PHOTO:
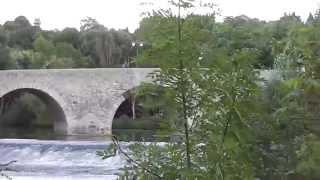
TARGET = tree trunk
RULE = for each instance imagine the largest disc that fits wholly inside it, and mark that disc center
(1, 106)
(133, 106)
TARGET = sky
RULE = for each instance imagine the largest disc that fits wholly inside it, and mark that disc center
(119, 14)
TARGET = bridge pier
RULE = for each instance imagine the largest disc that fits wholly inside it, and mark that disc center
(94, 118)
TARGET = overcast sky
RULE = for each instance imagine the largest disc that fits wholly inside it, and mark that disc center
(126, 13)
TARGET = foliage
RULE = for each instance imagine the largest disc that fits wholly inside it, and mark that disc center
(211, 126)
(4, 57)
(93, 46)
(309, 157)
(223, 126)
(220, 123)
(105, 47)
(295, 106)
(98, 46)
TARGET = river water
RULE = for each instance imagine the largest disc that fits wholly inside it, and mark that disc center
(62, 157)
(40, 159)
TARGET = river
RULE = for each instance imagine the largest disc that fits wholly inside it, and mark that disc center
(45, 156)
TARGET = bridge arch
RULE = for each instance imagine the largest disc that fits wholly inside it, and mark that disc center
(56, 112)
(139, 116)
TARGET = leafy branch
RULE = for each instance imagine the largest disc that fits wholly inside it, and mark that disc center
(117, 149)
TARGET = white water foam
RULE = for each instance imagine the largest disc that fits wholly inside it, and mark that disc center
(58, 159)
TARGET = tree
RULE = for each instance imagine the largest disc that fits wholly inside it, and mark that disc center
(5, 60)
(68, 35)
(296, 110)
(244, 33)
(89, 24)
(61, 55)
(66, 50)
(44, 46)
(210, 99)
(310, 19)
(317, 16)
(3, 36)
(106, 47)
(22, 58)
(286, 23)
(21, 33)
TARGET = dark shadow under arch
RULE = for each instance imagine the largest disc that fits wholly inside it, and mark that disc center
(55, 112)
(145, 122)
(150, 112)
(125, 108)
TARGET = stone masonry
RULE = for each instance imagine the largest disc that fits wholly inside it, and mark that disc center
(83, 100)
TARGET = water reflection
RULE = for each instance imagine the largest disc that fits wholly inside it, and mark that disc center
(49, 134)
(138, 135)
(26, 133)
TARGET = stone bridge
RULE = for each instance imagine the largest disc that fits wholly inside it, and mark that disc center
(81, 101)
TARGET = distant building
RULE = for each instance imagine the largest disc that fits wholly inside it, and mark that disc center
(37, 22)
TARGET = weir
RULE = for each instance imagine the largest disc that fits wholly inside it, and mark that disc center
(58, 159)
